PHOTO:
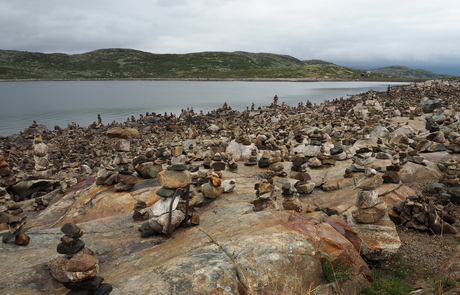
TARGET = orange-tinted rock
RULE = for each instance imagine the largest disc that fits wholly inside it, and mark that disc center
(22, 239)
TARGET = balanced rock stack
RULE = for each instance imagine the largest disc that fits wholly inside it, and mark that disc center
(450, 177)
(297, 162)
(176, 147)
(174, 177)
(126, 182)
(264, 161)
(369, 209)
(78, 270)
(264, 197)
(362, 158)
(122, 146)
(42, 164)
(290, 201)
(276, 164)
(303, 184)
(4, 169)
(217, 164)
(140, 213)
(213, 188)
(325, 157)
(454, 141)
(107, 176)
(252, 158)
(12, 214)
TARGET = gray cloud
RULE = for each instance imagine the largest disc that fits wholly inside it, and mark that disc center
(354, 32)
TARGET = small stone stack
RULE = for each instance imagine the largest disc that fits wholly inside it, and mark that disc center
(78, 270)
(107, 176)
(450, 177)
(4, 169)
(140, 213)
(276, 164)
(213, 188)
(303, 184)
(126, 182)
(252, 158)
(297, 162)
(395, 162)
(12, 214)
(217, 164)
(362, 158)
(264, 197)
(176, 147)
(325, 157)
(264, 161)
(122, 157)
(42, 164)
(369, 209)
(290, 202)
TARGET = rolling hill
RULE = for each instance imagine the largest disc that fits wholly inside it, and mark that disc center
(134, 64)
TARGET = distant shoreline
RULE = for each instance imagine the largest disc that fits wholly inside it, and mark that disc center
(229, 79)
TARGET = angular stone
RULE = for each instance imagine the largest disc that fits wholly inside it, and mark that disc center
(367, 199)
(147, 230)
(119, 132)
(211, 192)
(370, 183)
(218, 166)
(304, 187)
(162, 206)
(177, 167)
(141, 215)
(168, 192)
(228, 185)
(81, 263)
(370, 215)
(391, 177)
(72, 230)
(80, 276)
(58, 268)
(62, 249)
(91, 284)
(122, 145)
(345, 230)
(174, 179)
(150, 170)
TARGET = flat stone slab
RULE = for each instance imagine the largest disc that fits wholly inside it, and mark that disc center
(380, 240)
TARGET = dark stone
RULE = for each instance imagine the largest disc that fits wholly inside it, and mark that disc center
(295, 168)
(123, 187)
(62, 249)
(9, 236)
(419, 217)
(72, 230)
(103, 289)
(218, 166)
(336, 151)
(91, 284)
(412, 198)
(146, 230)
(286, 189)
(448, 218)
(391, 177)
(168, 192)
(194, 168)
(140, 216)
(177, 167)
(264, 163)
(363, 150)
(22, 239)
(126, 172)
(233, 166)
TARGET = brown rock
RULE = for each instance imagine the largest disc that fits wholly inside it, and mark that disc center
(118, 132)
(173, 179)
(216, 181)
(3, 164)
(345, 230)
(195, 218)
(82, 263)
(22, 239)
(391, 177)
(370, 215)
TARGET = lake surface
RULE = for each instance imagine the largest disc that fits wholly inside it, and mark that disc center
(63, 102)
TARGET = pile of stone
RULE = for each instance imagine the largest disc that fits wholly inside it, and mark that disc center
(369, 208)
(12, 214)
(454, 140)
(265, 199)
(303, 185)
(290, 201)
(451, 174)
(421, 215)
(174, 177)
(78, 269)
(264, 161)
(42, 164)
(213, 188)
(140, 212)
(252, 158)
(297, 162)
(4, 167)
(362, 158)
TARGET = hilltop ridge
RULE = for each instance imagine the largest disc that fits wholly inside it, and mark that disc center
(118, 63)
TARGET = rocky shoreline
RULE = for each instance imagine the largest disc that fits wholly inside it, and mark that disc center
(338, 176)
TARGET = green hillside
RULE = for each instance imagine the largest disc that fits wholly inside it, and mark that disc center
(128, 63)
(403, 71)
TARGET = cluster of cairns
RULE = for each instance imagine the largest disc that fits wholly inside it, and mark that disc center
(12, 215)
(39, 161)
(77, 269)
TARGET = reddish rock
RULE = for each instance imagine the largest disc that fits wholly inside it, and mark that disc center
(22, 239)
(82, 263)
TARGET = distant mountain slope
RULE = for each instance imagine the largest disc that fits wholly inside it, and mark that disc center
(403, 71)
(127, 63)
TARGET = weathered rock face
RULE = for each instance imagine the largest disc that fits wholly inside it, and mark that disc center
(119, 132)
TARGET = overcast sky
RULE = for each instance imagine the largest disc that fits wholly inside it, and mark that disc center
(357, 33)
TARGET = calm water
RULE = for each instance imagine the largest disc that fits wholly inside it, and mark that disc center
(64, 102)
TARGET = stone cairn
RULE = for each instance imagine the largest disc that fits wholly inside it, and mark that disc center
(174, 177)
(264, 161)
(450, 177)
(252, 158)
(140, 213)
(12, 214)
(303, 185)
(369, 209)
(4, 167)
(264, 197)
(290, 201)
(362, 159)
(78, 270)
(276, 164)
(42, 164)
